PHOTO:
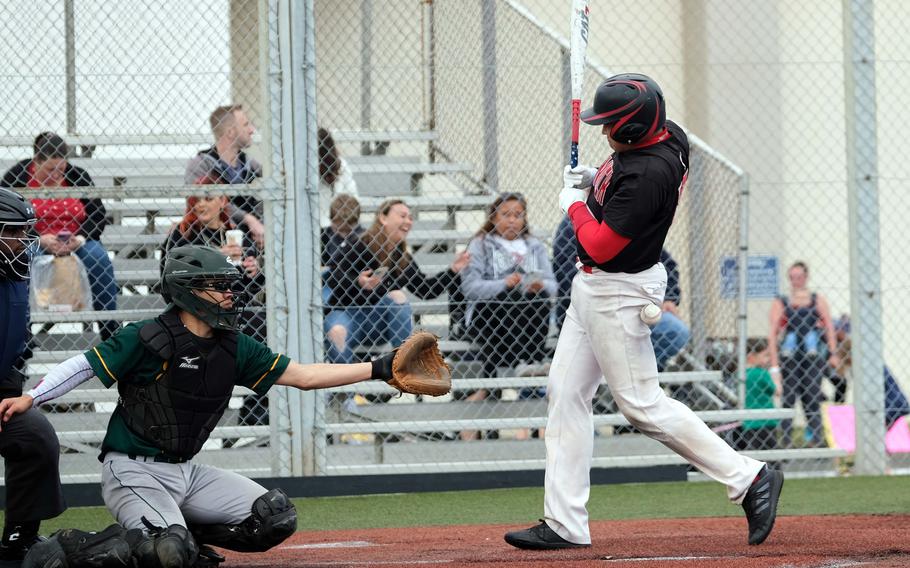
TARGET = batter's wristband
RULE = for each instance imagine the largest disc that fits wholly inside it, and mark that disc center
(774, 369)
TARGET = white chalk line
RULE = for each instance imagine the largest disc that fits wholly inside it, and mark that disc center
(341, 544)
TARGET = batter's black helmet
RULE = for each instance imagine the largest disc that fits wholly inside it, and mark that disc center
(632, 103)
(191, 269)
(17, 234)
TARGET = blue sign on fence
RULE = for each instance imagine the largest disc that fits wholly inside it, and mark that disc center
(762, 277)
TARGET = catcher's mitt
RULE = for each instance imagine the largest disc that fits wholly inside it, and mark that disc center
(418, 366)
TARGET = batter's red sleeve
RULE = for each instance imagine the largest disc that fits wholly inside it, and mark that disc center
(600, 241)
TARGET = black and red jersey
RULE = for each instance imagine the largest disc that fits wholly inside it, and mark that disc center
(635, 194)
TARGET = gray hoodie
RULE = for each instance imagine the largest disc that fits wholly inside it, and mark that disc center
(483, 278)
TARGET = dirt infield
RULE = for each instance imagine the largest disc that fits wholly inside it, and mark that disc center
(812, 541)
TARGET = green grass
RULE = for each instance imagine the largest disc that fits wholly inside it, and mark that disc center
(849, 495)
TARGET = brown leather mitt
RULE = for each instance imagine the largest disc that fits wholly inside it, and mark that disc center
(418, 366)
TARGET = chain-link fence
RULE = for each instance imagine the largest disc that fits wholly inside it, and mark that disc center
(406, 134)
(116, 114)
(475, 96)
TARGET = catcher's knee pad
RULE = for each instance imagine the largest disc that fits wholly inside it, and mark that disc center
(171, 547)
(71, 548)
(273, 520)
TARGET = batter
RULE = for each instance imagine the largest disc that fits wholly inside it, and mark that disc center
(621, 213)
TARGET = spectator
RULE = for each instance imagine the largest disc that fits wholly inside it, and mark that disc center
(564, 259)
(508, 285)
(28, 444)
(896, 403)
(68, 225)
(800, 330)
(368, 303)
(334, 175)
(226, 163)
(670, 334)
(760, 391)
(344, 227)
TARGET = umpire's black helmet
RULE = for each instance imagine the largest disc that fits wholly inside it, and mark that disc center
(17, 234)
(632, 103)
(190, 272)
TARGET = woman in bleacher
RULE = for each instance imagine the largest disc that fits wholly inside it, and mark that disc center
(334, 176)
(68, 225)
(368, 279)
(508, 285)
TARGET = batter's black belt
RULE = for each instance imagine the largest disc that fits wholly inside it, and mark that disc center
(160, 458)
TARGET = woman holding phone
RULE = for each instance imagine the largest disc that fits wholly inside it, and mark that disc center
(368, 304)
(508, 285)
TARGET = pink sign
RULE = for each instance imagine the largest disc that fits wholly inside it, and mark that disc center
(840, 430)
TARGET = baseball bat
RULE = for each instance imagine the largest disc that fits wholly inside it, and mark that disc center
(578, 44)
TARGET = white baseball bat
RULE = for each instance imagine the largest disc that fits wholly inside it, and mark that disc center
(578, 44)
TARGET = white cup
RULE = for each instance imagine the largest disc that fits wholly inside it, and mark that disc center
(234, 237)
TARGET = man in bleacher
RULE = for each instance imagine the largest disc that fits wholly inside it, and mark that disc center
(226, 163)
(28, 444)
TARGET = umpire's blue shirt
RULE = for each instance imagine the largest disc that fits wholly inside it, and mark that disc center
(13, 327)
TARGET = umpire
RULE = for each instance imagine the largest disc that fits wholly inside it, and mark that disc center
(28, 443)
(175, 375)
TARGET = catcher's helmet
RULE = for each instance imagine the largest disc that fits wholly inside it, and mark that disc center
(632, 103)
(17, 234)
(191, 269)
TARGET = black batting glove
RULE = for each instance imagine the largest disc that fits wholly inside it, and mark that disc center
(382, 367)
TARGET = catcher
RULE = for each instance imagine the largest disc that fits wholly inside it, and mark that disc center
(175, 375)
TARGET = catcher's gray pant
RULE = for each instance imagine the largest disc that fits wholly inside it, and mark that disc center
(174, 494)
(604, 336)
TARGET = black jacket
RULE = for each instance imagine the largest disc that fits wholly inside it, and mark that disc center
(95, 214)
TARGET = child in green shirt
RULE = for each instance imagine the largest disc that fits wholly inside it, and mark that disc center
(760, 391)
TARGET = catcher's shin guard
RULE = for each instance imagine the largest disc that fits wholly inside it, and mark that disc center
(71, 548)
(273, 520)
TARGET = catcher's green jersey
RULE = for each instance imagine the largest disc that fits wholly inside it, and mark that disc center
(123, 357)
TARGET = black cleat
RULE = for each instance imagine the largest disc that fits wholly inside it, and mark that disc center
(760, 503)
(208, 556)
(540, 537)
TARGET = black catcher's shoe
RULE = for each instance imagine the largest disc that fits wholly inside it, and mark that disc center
(760, 503)
(208, 557)
(540, 537)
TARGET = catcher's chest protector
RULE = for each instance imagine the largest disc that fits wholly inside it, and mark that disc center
(178, 411)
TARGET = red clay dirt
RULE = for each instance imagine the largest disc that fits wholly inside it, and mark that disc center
(877, 541)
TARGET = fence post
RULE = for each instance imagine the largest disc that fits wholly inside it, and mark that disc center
(742, 314)
(865, 261)
(490, 119)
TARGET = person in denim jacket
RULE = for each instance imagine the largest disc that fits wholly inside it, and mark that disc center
(508, 285)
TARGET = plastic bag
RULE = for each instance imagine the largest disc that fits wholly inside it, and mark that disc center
(59, 284)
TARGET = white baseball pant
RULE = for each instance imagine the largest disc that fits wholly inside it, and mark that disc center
(603, 336)
(175, 493)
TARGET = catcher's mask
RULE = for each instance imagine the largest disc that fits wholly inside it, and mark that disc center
(632, 104)
(204, 282)
(17, 235)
